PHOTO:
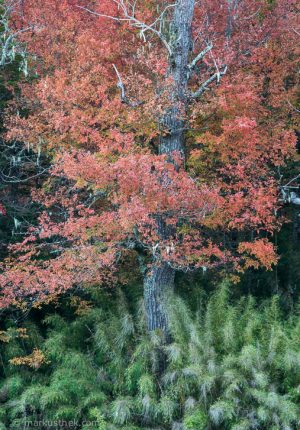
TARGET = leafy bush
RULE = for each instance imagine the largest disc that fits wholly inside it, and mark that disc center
(229, 366)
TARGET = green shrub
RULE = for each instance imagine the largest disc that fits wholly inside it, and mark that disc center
(229, 366)
(197, 420)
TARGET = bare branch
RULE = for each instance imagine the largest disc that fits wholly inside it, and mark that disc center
(292, 106)
(205, 85)
(14, 180)
(199, 57)
(130, 17)
(114, 18)
(9, 44)
(121, 86)
(120, 83)
(161, 16)
(291, 181)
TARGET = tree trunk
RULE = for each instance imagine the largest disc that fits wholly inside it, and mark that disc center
(157, 284)
(159, 281)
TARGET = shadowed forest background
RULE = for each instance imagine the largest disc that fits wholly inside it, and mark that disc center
(149, 215)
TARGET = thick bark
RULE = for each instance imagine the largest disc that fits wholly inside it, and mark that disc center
(157, 284)
(159, 281)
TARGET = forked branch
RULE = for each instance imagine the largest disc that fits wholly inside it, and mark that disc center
(129, 16)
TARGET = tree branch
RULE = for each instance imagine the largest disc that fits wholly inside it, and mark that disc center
(291, 181)
(14, 180)
(199, 57)
(130, 17)
(121, 86)
(205, 85)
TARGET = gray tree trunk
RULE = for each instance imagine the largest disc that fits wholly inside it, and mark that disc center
(159, 280)
(157, 284)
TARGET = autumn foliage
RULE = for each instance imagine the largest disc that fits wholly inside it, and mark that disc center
(110, 186)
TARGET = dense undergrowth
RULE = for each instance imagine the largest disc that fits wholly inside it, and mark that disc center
(229, 366)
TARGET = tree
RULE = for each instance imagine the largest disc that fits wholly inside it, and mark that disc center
(20, 168)
(135, 169)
